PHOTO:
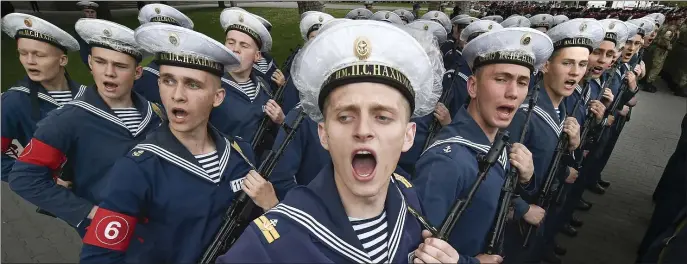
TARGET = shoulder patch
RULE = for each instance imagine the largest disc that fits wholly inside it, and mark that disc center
(403, 180)
(158, 111)
(268, 227)
(139, 154)
(236, 147)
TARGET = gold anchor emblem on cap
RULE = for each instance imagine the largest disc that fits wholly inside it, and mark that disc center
(107, 33)
(386, 16)
(157, 10)
(240, 17)
(436, 14)
(525, 39)
(358, 12)
(173, 39)
(362, 48)
(611, 26)
(490, 27)
(583, 27)
(320, 19)
(27, 22)
(426, 27)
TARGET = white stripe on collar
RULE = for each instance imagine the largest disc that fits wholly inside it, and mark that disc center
(82, 90)
(187, 165)
(462, 75)
(107, 116)
(43, 96)
(395, 239)
(549, 120)
(479, 147)
(151, 70)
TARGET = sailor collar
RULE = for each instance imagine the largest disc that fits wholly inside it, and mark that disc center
(325, 219)
(166, 146)
(588, 94)
(23, 86)
(93, 103)
(228, 80)
(545, 110)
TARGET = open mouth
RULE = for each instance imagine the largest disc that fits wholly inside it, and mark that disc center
(179, 113)
(597, 70)
(570, 84)
(110, 86)
(627, 54)
(505, 111)
(364, 163)
(34, 71)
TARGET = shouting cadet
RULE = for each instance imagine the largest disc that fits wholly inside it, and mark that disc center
(42, 49)
(78, 143)
(168, 195)
(502, 61)
(360, 85)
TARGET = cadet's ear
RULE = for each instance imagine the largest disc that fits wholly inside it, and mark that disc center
(409, 137)
(64, 60)
(139, 72)
(90, 62)
(322, 133)
(472, 85)
(220, 94)
(545, 68)
(258, 56)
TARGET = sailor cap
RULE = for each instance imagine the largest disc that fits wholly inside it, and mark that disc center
(463, 21)
(163, 14)
(658, 18)
(440, 17)
(359, 13)
(616, 32)
(521, 46)
(368, 51)
(387, 16)
(264, 22)
(478, 27)
(405, 15)
(109, 35)
(313, 21)
(541, 20)
(19, 25)
(516, 21)
(234, 19)
(87, 5)
(580, 32)
(307, 13)
(644, 25)
(496, 18)
(632, 30)
(459, 17)
(183, 47)
(436, 29)
(559, 19)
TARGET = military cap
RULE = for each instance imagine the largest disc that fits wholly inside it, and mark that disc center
(521, 46)
(333, 22)
(264, 22)
(459, 17)
(405, 15)
(658, 18)
(183, 47)
(359, 13)
(463, 21)
(19, 25)
(387, 16)
(527, 15)
(306, 13)
(431, 26)
(644, 26)
(87, 5)
(632, 29)
(163, 14)
(559, 19)
(440, 17)
(580, 32)
(616, 32)
(516, 21)
(313, 21)
(239, 20)
(109, 35)
(478, 27)
(368, 51)
(495, 18)
(541, 20)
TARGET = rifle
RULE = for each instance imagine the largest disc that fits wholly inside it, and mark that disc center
(546, 193)
(445, 95)
(240, 213)
(496, 235)
(588, 126)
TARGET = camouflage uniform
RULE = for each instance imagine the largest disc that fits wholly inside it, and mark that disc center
(664, 43)
(676, 59)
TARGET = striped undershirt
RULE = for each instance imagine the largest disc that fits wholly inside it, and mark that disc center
(130, 117)
(373, 235)
(262, 65)
(249, 88)
(61, 97)
(210, 163)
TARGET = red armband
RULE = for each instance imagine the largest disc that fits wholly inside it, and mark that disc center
(41, 154)
(110, 230)
(5, 144)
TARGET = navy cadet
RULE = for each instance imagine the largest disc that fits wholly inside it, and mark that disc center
(573, 41)
(80, 141)
(495, 18)
(516, 21)
(363, 94)
(185, 174)
(359, 14)
(89, 11)
(147, 85)
(502, 61)
(541, 22)
(266, 65)
(451, 50)
(42, 49)
(405, 15)
(387, 16)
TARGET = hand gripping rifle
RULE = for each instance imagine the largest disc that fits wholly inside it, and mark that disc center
(589, 120)
(616, 106)
(545, 193)
(496, 235)
(240, 213)
(445, 95)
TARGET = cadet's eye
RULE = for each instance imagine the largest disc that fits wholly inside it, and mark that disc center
(499, 79)
(344, 118)
(193, 85)
(523, 83)
(384, 119)
(168, 81)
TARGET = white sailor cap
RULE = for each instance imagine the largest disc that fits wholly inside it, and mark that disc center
(459, 17)
(559, 19)
(313, 21)
(87, 4)
(580, 32)
(658, 17)
(308, 12)
(496, 18)
(19, 25)
(387, 16)
(234, 19)
(616, 32)
(516, 21)
(332, 23)
(478, 27)
(632, 30)
(183, 47)
(521, 46)
(163, 14)
(430, 26)
(367, 51)
(644, 26)
(264, 22)
(359, 13)
(440, 17)
(405, 15)
(109, 35)
(463, 21)
(541, 20)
